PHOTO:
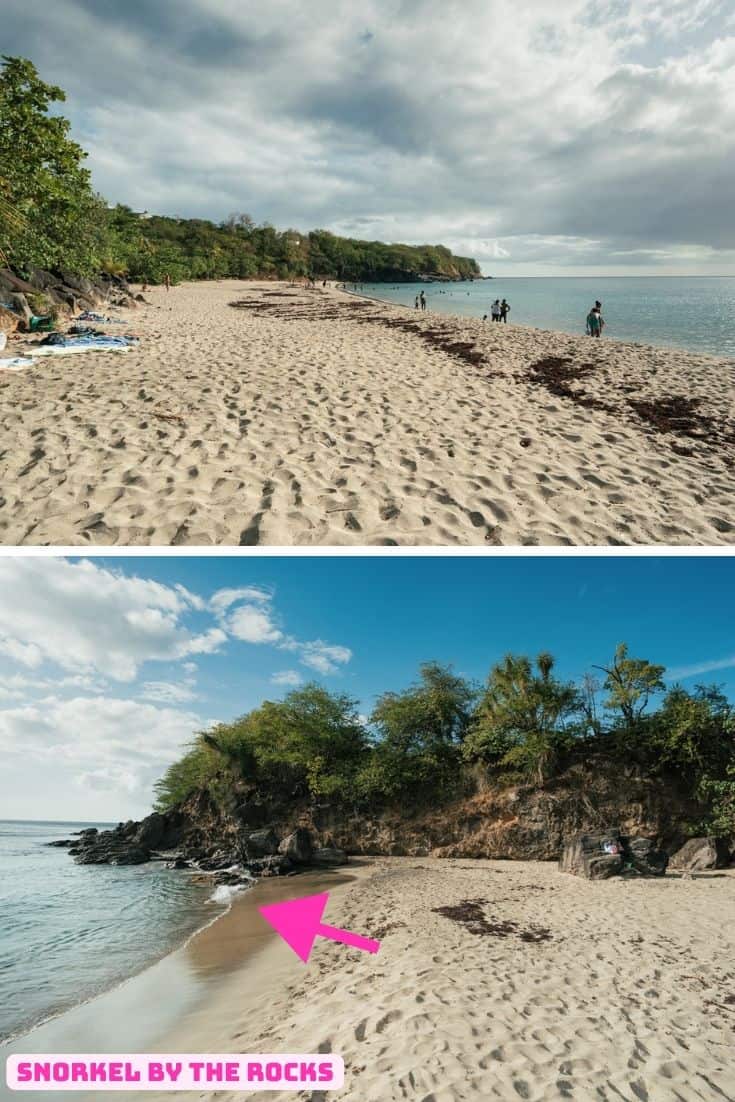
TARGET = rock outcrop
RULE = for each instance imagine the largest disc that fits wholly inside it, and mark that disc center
(262, 843)
(297, 847)
(59, 294)
(587, 855)
(9, 320)
(261, 836)
(700, 854)
(609, 853)
(199, 839)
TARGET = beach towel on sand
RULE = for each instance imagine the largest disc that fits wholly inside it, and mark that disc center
(65, 346)
(15, 363)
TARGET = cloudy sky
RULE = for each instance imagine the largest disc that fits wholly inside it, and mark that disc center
(577, 137)
(109, 666)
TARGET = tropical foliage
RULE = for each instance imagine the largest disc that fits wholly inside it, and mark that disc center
(418, 744)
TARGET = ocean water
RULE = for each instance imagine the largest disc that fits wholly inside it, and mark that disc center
(69, 932)
(697, 314)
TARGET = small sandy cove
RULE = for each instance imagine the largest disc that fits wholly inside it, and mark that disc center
(535, 985)
(313, 417)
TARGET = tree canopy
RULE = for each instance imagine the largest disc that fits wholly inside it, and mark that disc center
(49, 215)
(418, 743)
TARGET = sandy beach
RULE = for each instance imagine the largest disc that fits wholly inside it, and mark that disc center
(570, 989)
(312, 417)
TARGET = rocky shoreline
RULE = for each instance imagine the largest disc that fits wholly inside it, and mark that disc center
(262, 853)
(253, 837)
(57, 296)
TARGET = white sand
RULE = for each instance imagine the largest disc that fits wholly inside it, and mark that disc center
(630, 998)
(287, 428)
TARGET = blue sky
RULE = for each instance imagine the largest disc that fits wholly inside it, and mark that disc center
(587, 137)
(110, 664)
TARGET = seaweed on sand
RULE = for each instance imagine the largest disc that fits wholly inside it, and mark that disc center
(557, 373)
(470, 914)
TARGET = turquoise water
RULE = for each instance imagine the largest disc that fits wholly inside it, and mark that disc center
(69, 932)
(677, 312)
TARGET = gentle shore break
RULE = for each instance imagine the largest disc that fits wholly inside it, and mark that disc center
(261, 413)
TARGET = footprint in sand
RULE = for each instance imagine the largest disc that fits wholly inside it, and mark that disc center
(388, 1019)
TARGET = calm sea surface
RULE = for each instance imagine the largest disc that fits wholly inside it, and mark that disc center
(695, 314)
(68, 932)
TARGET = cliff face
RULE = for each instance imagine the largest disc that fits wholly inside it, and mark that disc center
(522, 822)
(514, 823)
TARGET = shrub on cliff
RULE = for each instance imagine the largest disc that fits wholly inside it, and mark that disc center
(311, 743)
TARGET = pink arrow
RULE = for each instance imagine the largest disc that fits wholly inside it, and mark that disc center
(299, 922)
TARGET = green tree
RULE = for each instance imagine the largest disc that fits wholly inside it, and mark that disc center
(312, 742)
(718, 795)
(194, 771)
(693, 733)
(523, 717)
(49, 215)
(419, 733)
(630, 683)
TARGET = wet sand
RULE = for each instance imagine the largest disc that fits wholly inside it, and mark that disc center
(311, 417)
(179, 1000)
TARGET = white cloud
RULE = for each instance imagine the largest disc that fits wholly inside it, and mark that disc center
(681, 673)
(90, 737)
(247, 614)
(291, 678)
(26, 654)
(608, 119)
(168, 692)
(323, 657)
(253, 625)
(86, 618)
(224, 598)
(207, 643)
(19, 686)
(69, 630)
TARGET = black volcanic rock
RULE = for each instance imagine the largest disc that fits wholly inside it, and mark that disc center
(298, 846)
(598, 856)
(271, 866)
(328, 857)
(262, 843)
(643, 855)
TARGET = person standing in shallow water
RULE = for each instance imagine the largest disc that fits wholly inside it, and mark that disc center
(495, 310)
(417, 302)
(422, 297)
(504, 311)
(595, 322)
